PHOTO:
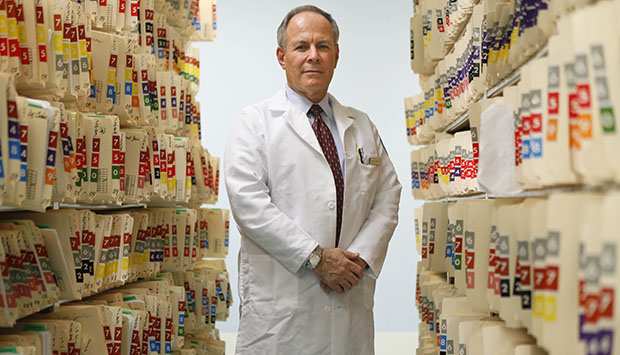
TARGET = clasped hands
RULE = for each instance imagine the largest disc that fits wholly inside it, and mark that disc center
(339, 270)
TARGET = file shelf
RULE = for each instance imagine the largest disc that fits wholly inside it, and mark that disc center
(104, 245)
(516, 139)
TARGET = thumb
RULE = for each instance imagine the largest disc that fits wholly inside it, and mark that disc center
(350, 255)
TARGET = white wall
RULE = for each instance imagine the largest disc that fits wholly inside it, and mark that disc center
(373, 75)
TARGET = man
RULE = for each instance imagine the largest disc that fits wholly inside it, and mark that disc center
(316, 198)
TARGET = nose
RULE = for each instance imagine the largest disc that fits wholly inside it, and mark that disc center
(313, 54)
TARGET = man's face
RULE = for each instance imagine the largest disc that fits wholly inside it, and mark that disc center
(310, 56)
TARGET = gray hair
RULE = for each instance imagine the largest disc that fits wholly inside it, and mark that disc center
(300, 9)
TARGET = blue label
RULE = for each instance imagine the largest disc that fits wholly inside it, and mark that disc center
(92, 92)
(168, 348)
(442, 342)
(163, 103)
(51, 158)
(14, 149)
(128, 88)
(160, 53)
(13, 129)
(525, 149)
(449, 251)
(1, 169)
(536, 147)
(111, 93)
(23, 156)
(65, 147)
(181, 319)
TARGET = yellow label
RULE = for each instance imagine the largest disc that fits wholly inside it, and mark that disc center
(23, 36)
(125, 265)
(100, 271)
(12, 28)
(188, 183)
(137, 259)
(66, 50)
(74, 51)
(41, 34)
(108, 269)
(538, 306)
(115, 265)
(3, 28)
(129, 75)
(58, 45)
(111, 76)
(163, 177)
(514, 35)
(83, 49)
(493, 56)
(171, 184)
(551, 308)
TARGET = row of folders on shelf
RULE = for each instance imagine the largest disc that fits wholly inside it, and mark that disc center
(101, 57)
(546, 266)
(557, 126)
(49, 153)
(72, 254)
(463, 48)
(171, 313)
(575, 81)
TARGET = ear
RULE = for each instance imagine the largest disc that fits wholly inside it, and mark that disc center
(280, 56)
(337, 55)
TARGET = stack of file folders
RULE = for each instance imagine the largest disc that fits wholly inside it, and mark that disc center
(546, 269)
(556, 127)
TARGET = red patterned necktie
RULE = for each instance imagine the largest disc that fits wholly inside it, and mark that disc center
(331, 154)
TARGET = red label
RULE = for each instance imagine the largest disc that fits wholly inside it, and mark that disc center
(551, 278)
(553, 103)
(583, 93)
(536, 123)
(113, 58)
(39, 12)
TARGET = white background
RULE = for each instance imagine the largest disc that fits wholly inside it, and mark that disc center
(373, 75)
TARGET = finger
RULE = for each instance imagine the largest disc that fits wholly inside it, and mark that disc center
(325, 288)
(356, 269)
(345, 284)
(352, 278)
(335, 287)
(350, 255)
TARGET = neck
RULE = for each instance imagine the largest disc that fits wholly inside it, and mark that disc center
(314, 97)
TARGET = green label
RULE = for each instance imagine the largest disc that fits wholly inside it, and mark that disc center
(608, 121)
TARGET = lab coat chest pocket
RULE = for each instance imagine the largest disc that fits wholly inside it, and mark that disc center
(272, 289)
(367, 177)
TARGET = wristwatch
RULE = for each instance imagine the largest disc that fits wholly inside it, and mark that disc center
(315, 258)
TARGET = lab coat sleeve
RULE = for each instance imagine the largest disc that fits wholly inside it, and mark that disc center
(372, 240)
(246, 177)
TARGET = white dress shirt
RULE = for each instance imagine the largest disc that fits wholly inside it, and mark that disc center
(303, 104)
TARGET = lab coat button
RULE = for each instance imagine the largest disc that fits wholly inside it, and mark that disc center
(331, 205)
(328, 309)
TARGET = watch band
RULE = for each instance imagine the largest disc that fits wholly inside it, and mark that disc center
(315, 258)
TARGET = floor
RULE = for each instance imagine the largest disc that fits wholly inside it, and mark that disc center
(386, 343)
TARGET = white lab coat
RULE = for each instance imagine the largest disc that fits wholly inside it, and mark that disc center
(283, 198)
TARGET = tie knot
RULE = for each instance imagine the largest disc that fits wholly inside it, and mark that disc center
(316, 110)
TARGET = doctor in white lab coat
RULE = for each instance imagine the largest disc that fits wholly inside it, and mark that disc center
(300, 293)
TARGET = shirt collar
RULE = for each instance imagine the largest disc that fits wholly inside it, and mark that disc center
(303, 104)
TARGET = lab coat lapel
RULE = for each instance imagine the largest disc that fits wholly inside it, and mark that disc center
(343, 118)
(295, 118)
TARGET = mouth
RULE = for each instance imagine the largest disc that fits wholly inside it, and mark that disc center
(313, 72)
